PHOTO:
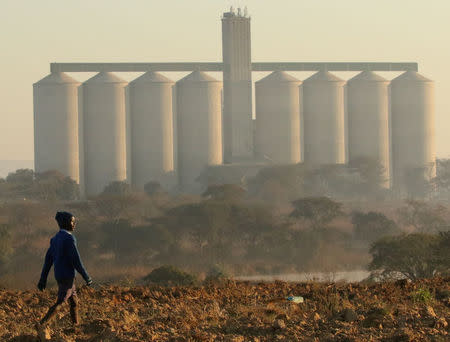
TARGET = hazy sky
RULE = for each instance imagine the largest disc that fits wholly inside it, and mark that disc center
(35, 33)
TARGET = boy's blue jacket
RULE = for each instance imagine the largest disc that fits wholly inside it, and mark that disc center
(63, 253)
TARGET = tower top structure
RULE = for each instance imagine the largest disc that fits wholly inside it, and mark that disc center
(239, 14)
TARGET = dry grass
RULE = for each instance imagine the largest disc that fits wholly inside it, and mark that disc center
(240, 312)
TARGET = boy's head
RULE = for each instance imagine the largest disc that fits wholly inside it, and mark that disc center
(65, 220)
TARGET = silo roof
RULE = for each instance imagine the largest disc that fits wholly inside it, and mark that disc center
(324, 76)
(105, 77)
(198, 76)
(411, 76)
(151, 77)
(367, 76)
(57, 78)
(279, 77)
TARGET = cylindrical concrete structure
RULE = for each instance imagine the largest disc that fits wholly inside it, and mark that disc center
(56, 125)
(104, 131)
(152, 128)
(278, 118)
(199, 127)
(324, 123)
(368, 120)
(413, 131)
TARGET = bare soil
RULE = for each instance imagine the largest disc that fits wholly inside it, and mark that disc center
(240, 311)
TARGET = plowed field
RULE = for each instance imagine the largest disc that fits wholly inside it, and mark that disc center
(240, 311)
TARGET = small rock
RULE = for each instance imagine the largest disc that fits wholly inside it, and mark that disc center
(402, 282)
(349, 315)
(44, 334)
(279, 324)
(283, 316)
(430, 311)
(237, 339)
(441, 323)
(404, 335)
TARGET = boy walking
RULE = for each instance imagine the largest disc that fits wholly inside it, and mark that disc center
(63, 254)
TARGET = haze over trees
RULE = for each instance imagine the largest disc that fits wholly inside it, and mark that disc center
(281, 220)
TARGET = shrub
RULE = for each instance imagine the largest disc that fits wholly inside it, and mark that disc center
(372, 225)
(409, 256)
(170, 276)
(318, 210)
(118, 188)
(422, 295)
(5, 244)
(216, 274)
(153, 188)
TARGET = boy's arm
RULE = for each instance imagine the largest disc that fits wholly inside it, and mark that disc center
(76, 260)
(46, 268)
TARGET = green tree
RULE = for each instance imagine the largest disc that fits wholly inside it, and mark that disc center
(53, 185)
(225, 192)
(21, 176)
(118, 188)
(329, 180)
(442, 179)
(5, 245)
(412, 256)
(371, 173)
(20, 183)
(424, 217)
(170, 276)
(318, 210)
(418, 181)
(444, 252)
(281, 182)
(372, 225)
(153, 188)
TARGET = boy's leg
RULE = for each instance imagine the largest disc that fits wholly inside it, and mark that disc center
(73, 302)
(66, 289)
(51, 313)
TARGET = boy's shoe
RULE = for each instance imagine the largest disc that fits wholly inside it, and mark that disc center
(74, 330)
(43, 332)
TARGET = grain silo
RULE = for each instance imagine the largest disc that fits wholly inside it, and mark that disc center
(104, 131)
(56, 125)
(368, 120)
(323, 113)
(413, 131)
(199, 117)
(152, 128)
(278, 118)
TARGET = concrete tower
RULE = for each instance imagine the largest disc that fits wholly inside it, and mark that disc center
(324, 124)
(237, 83)
(368, 119)
(105, 155)
(413, 132)
(56, 125)
(152, 129)
(278, 118)
(199, 127)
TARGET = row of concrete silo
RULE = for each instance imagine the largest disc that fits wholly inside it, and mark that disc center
(82, 130)
(379, 113)
(85, 131)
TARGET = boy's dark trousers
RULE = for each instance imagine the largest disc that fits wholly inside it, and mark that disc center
(66, 292)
